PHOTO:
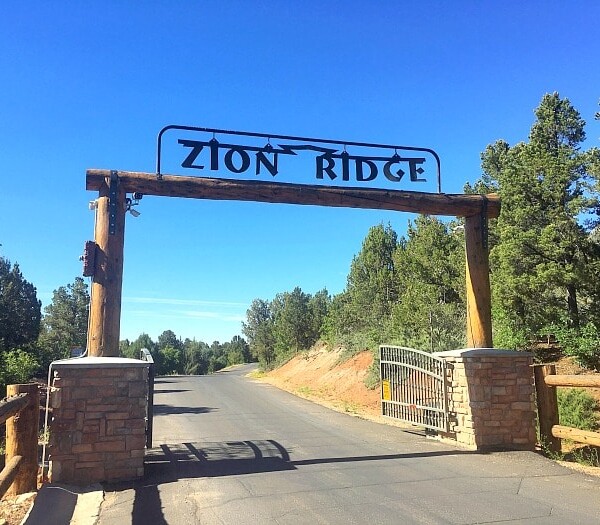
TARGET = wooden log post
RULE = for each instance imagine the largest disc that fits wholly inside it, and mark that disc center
(547, 405)
(22, 439)
(107, 283)
(479, 300)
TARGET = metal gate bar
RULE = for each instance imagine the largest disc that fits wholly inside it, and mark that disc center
(414, 387)
(145, 355)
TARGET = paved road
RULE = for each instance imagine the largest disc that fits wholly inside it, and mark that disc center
(234, 451)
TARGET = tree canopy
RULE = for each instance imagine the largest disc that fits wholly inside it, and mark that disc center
(20, 309)
(65, 322)
(544, 261)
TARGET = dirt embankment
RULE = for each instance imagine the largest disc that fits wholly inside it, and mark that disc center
(326, 377)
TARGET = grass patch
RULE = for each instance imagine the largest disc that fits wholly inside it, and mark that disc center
(305, 391)
(577, 409)
(587, 455)
(350, 407)
(257, 374)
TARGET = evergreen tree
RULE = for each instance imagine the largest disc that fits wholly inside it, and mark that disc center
(259, 331)
(318, 305)
(195, 357)
(371, 284)
(65, 322)
(429, 262)
(541, 262)
(168, 338)
(292, 326)
(20, 309)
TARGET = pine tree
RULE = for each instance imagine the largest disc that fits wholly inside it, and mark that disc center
(540, 261)
(65, 322)
(20, 309)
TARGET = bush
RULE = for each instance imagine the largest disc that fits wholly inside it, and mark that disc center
(577, 409)
(16, 366)
(583, 344)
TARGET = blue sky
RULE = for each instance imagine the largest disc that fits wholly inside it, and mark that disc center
(90, 84)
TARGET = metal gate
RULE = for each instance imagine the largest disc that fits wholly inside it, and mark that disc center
(414, 387)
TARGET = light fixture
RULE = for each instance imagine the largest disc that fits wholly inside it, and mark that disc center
(131, 202)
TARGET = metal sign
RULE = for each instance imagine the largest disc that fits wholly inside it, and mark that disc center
(212, 152)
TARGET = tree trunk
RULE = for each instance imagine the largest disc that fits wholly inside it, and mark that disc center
(572, 307)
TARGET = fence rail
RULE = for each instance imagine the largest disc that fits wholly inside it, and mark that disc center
(551, 431)
(20, 412)
(11, 406)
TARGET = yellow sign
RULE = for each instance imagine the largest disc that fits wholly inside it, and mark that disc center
(386, 391)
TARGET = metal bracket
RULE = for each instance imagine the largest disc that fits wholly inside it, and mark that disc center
(112, 202)
(484, 222)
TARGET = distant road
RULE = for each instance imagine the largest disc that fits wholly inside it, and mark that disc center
(230, 450)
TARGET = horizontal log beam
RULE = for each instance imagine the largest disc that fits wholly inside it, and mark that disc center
(574, 434)
(590, 381)
(9, 473)
(11, 406)
(458, 205)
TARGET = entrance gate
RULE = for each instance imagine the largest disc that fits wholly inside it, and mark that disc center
(106, 253)
(414, 387)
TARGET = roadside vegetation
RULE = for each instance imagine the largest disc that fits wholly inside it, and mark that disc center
(172, 355)
(410, 289)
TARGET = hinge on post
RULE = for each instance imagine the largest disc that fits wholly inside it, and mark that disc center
(112, 202)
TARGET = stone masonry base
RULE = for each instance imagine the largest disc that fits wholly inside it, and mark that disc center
(491, 399)
(97, 433)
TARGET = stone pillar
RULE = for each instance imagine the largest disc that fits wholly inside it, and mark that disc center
(97, 433)
(491, 399)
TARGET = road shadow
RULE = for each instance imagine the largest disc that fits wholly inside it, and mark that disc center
(170, 391)
(172, 409)
(193, 460)
(174, 462)
(171, 463)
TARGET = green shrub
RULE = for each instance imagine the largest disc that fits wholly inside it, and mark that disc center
(16, 366)
(583, 344)
(577, 409)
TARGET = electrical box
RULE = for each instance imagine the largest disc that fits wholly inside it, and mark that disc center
(89, 258)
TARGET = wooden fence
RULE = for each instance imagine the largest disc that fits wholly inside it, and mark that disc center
(20, 411)
(551, 431)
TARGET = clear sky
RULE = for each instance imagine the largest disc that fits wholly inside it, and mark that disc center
(90, 84)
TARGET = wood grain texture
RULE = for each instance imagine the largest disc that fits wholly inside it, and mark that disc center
(22, 439)
(227, 189)
(547, 406)
(9, 473)
(574, 434)
(107, 283)
(587, 380)
(12, 406)
(479, 299)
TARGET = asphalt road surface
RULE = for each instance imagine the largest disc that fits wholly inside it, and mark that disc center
(231, 450)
